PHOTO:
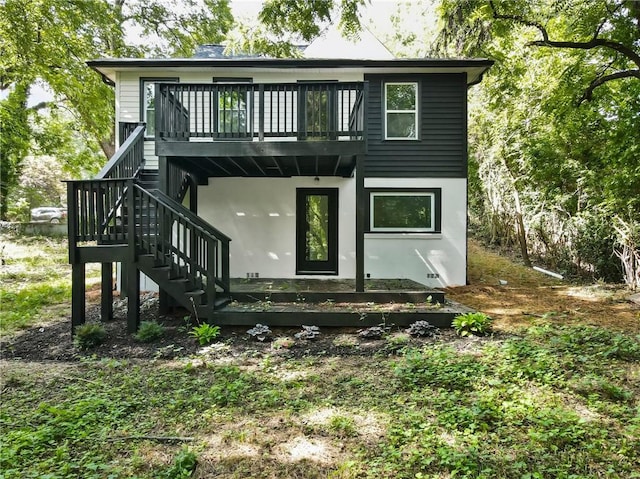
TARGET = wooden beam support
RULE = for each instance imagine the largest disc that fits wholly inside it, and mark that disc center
(106, 298)
(133, 298)
(238, 166)
(360, 222)
(78, 301)
(260, 148)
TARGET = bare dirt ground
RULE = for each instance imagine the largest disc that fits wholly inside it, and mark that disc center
(527, 298)
(530, 297)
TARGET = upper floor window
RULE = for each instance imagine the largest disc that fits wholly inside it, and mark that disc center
(233, 111)
(147, 102)
(401, 111)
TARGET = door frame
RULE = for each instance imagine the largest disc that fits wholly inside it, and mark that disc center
(304, 266)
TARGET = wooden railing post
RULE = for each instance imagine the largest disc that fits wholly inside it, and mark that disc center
(133, 274)
(212, 259)
(261, 112)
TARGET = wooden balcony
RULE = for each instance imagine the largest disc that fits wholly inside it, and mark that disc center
(251, 129)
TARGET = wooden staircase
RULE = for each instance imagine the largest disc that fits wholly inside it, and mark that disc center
(123, 217)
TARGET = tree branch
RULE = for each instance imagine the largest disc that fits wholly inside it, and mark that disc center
(588, 94)
(593, 43)
(546, 42)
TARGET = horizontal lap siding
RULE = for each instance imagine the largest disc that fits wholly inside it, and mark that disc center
(441, 150)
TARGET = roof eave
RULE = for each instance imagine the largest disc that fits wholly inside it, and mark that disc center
(108, 66)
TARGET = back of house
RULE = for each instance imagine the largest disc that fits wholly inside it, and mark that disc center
(331, 167)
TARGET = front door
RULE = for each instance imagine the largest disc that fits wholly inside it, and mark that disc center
(317, 231)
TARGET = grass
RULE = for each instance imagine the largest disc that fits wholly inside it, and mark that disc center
(35, 275)
(557, 399)
(553, 402)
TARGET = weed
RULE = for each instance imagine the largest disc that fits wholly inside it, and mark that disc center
(472, 324)
(345, 341)
(183, 465)
(89, 335)
(374, 332)
(149, 331)
(343, 426)
(205, 333)
(397, 341)
(283, 343)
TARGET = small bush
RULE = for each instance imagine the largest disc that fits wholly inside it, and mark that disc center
(89, 336)
(423, 329)
(149, 331)
(472, 324)
(260, 332)
(205, 333)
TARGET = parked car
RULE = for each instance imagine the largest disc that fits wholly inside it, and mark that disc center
(50, 214)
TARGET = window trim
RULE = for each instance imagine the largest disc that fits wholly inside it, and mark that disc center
(415, 111)
(143, 98)
(436, 209)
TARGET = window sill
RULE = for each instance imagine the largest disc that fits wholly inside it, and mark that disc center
(398, 235)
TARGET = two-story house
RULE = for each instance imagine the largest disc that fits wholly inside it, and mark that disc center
(235, 167)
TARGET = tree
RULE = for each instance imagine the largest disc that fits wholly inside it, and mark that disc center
(607, 31)
(554, 121)
(49, 41)
(15, 133)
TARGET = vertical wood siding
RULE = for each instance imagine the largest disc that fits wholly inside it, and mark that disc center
(441, 149)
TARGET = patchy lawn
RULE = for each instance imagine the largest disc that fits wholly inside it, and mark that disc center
(553, 394)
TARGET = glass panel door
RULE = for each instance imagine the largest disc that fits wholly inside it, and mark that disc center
(317, 231)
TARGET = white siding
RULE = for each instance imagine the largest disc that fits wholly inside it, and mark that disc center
(421, 256)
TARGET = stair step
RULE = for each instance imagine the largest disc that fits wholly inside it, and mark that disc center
(197, 295)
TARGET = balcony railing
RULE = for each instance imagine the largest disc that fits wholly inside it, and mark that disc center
(252, 111)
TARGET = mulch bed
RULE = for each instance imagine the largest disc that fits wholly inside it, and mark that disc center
(53, 341)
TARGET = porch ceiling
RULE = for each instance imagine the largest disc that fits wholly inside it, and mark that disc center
(268, 166)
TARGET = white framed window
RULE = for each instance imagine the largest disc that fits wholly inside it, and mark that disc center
(403, 211)
(401, 110)
(147, 102)
(233, 110)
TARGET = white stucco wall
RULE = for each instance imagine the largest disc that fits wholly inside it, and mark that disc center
(259, 215)
(419, 256)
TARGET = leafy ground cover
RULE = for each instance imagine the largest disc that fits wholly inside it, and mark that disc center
(552, 394)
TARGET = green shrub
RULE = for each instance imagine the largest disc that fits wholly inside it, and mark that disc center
(149, 331)
(205, 333)
(472, 324)
(89, 336)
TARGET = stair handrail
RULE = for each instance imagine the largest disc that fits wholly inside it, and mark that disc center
(190, 215)
(215, 269)
(129, 159)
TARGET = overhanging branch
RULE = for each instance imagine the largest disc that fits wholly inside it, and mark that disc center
(588, 94)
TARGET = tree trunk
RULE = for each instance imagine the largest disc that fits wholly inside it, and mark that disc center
(520, 231)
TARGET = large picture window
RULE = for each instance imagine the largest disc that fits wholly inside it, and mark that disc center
(404, 211)
(401, 111)
(147, 102)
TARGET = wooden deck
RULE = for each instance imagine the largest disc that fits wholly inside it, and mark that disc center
(334, 303)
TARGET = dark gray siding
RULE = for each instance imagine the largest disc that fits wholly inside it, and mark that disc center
(441, 149)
